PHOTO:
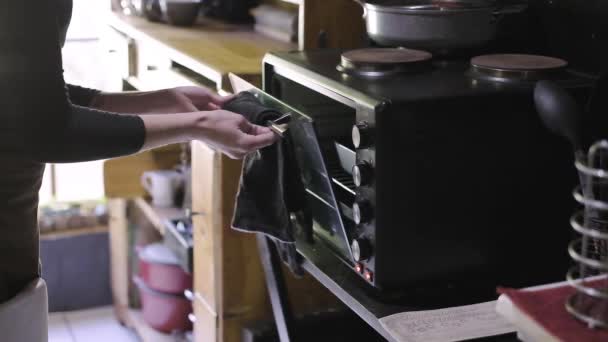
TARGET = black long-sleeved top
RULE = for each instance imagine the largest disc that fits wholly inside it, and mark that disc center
(42, 120)
(38, 120)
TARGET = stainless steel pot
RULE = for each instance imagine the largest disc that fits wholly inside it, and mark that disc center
(437, 26)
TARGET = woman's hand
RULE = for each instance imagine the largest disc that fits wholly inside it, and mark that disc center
(232, 134)
(174, 100)
(227, 132)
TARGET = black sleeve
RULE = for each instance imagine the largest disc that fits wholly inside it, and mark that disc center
(37, 118)
(80, 95)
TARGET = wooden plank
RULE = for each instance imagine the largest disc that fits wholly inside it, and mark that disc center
(205, 326)
(240, 265)
(341, 20)
(66, 233)
(122, 314)
(157, 216)
(205, 264)
(144, 331)
(119, 267)
(206, 187)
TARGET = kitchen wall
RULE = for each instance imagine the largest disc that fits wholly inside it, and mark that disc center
(576, 30)
(87, 19)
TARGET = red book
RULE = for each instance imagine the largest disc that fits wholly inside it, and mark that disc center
(539, 313)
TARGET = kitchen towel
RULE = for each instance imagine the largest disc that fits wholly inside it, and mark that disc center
(270, 187)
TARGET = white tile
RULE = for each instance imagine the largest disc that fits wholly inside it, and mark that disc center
(98, 325)
(58, 328)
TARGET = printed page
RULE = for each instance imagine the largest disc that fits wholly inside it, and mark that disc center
(447, 325)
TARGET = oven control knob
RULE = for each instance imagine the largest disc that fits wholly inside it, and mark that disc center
(363, 173)
(362, 211)
(361, 248)
(362, 135)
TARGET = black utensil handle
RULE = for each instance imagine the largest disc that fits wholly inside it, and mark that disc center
(559, 112)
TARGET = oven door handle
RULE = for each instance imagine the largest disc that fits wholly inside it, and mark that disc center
(280, 125)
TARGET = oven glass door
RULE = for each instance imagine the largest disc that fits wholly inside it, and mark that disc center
(303, 130)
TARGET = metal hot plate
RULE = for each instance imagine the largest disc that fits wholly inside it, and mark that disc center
(516, 67)
(378, 62)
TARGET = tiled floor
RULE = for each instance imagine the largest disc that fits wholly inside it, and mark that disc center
(92, 325)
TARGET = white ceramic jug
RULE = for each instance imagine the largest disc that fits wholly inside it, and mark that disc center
(162, 185)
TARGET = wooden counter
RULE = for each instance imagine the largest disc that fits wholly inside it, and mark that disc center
(210, 49)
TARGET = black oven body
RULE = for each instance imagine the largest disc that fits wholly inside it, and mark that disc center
(461, 187)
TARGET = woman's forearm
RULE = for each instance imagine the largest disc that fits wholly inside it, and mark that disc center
(166, 101)
(162, 129)
(225, 131)
(132, 102)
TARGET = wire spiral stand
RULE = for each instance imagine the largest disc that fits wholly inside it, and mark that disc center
(589, 275)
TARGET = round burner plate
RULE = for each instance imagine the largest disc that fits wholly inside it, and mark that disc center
(516, 67)
(373, 62)
(518, 62)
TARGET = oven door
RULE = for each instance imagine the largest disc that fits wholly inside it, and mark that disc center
(319, 184)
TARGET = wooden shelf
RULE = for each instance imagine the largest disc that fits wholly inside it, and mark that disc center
(59, 234)
(210, 48)
(158, 216)
(144, 331)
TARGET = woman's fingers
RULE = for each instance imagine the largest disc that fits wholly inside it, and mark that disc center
(251, 138)
(221, 100)
(257, 130)
(251, 143)
(258, 133)
(213, 106)
(232, 134)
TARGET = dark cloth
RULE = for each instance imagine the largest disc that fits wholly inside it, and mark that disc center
(270, 187)
(42, 120)
(246, 104)
(19, 184)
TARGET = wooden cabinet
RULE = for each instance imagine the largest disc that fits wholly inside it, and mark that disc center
(205, 324)
(228, 282)
(330, 24)
(165, 56)
(229, 287)
(206, 171)
(118, 50)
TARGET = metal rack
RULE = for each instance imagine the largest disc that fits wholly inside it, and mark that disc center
(589, 276)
